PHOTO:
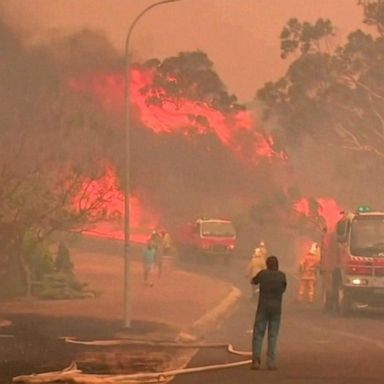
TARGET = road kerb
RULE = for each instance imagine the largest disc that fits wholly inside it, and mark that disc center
(209, 319)
(201, 326)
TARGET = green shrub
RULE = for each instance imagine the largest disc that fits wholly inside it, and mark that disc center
(60, 285)
(53, 278)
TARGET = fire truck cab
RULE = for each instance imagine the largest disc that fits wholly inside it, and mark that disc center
(207, 238)
(352, 262)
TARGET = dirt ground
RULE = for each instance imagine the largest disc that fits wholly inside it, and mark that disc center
(34, 342)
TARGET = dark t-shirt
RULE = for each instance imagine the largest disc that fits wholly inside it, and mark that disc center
(272, 286)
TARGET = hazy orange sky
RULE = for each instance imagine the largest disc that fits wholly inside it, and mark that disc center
(240, 36)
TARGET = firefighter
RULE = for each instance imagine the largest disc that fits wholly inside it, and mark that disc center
(167, 244)
(315, 250)
(307, 269)
(165, 264)
(155, 239)
(255, 265)
(263, 249)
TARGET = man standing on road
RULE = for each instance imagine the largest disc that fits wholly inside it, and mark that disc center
(272, 286)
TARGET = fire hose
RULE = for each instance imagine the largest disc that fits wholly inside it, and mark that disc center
(77, 376)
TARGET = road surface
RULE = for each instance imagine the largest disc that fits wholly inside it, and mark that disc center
(314, 347)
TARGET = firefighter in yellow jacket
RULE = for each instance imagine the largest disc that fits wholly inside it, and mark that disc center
(263, 249)
(308, 268)
(255, 265)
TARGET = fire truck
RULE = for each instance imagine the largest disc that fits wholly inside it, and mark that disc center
(206, 239)
(352, 262)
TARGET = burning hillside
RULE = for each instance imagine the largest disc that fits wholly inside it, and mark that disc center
(194, 150)
(234, 130)
(184, 150)
(203, 155)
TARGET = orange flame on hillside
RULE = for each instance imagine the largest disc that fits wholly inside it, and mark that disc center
(105, 194)
(234, 130)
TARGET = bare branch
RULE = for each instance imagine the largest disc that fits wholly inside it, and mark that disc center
(348, 133)
(369, 90)
(378, 115)
(356, 144)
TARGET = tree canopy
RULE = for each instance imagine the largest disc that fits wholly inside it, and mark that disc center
(189, 75)
(331, 90)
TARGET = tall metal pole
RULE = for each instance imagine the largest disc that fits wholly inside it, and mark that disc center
(127, 183)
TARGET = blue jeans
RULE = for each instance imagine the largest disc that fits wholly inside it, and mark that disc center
(264, 318)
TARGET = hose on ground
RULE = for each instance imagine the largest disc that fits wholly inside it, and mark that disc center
(73, 375)
(168, 344)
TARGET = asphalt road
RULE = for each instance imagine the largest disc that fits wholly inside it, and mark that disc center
(314, 347)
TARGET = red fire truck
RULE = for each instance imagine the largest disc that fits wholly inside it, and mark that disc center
(352, 262)
(206, 238)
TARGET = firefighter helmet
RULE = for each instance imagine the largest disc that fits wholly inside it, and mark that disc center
(313, 249)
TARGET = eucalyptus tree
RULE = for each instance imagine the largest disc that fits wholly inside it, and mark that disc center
(331, 91)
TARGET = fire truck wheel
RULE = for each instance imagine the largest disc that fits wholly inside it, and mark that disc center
(343, 301)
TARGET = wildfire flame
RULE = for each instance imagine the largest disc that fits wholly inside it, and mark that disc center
(234, 130)
(106, 189)
(327, 208)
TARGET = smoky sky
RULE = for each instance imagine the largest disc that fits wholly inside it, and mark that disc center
(241, 37)
(178, 177)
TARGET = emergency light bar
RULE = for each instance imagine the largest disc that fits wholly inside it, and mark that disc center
(363, 208)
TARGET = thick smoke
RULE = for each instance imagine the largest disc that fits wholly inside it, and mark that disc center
(188, 159)
(31, 76)
(323, 168)
(195, 176)
(178, 176)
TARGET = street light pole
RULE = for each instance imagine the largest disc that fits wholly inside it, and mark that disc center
(127, 183)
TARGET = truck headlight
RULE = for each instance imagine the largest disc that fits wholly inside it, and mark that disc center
(358, 281)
